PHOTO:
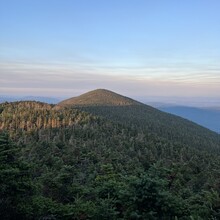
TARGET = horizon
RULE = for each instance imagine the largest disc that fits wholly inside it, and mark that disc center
(155, 101)
(142, 49)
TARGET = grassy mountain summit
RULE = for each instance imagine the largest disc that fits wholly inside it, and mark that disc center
(99, 97)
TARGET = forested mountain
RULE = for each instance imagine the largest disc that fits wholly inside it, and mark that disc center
(99, 97)
(105, 162)
(143, 117)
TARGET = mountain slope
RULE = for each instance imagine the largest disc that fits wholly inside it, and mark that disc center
(30, 116)
(145, 118)
(99, 97)
(82, 166)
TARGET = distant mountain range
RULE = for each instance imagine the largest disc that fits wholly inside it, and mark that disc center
(49, 100)
(207, 117)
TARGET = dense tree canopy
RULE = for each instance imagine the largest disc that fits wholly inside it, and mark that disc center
(68, 164)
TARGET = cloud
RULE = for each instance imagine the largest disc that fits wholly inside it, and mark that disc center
(68, 80)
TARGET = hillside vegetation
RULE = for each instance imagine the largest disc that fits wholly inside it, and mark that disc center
(65, 163)
(145, 118)
(99, 97)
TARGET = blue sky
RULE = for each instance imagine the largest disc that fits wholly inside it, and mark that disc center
(139, 48)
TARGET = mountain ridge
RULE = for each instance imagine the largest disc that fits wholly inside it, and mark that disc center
(206, 117)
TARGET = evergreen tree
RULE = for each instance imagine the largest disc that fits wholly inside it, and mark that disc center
(15, 184)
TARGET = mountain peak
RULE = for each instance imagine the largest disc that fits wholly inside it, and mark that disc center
(99, 97)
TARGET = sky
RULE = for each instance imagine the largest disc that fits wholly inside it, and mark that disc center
(139, 48)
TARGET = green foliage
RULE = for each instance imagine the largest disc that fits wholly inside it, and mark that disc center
(69, 164)
(16, 187)
(151, 198)
(150, 120)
